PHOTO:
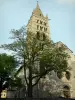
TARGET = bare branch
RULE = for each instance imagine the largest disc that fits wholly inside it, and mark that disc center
(41, 75)
(25, 76)
(35, 76)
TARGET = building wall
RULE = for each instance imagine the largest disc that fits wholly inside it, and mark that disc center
(32, 27)
(71, 82)
(34, 23)
(71, 64)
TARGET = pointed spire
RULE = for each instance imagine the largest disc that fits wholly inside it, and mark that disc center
(37, 5)
(37, 10)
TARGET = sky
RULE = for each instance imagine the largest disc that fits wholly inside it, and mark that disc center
(16, 13)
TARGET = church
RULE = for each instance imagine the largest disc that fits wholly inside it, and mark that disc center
(38, 23)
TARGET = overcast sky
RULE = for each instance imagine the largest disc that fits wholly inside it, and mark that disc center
(16, 13)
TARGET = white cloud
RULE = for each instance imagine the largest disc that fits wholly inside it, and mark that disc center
(66, 1)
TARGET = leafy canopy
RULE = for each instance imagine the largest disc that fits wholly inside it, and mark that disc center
(37, 55)
(30, 50)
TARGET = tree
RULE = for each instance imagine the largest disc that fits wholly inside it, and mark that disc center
(39, 57)
(15, 83)
(7, 66)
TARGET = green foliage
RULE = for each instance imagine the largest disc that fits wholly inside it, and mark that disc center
(54, 58)
(7, 63)
(30, 49)
(16, 82)
(7, 66)
(46, 54)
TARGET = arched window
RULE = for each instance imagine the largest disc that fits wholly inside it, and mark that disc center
(44, 23)
(68, 75)
(40, 14)
(37, 27)
(45, 29)
(44, 37)
(38, 35)
(41, 22)
(66, 91)
(37, 21)
(41, 28)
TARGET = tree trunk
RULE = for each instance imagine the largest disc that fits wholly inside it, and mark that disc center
(0, 86)
(29, 90)
(30, 82)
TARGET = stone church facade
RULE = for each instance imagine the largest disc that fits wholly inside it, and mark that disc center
(38, 24)
(69, 83)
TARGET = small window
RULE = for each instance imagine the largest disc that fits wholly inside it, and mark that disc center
(40, 14)
(68, 75)
(38, 35)
(41, 28)
(37, 27)
(45, 29)
(40, 22)
(44, 37)
(37, 21)
(44, 23)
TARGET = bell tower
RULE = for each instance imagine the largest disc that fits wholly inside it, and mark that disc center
(38, 24)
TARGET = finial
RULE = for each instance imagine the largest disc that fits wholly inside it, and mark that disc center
(37, 2)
